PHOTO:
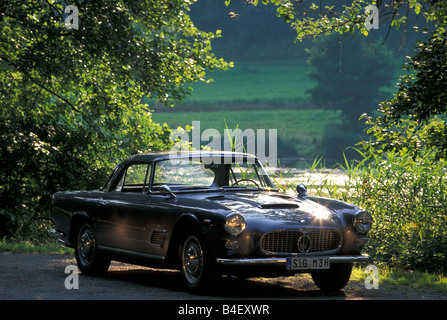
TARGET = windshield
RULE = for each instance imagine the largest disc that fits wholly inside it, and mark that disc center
(184, 173)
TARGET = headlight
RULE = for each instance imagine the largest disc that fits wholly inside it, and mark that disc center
(235, 224)
(362, 221)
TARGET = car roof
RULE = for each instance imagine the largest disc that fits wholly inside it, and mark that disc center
(149, 157)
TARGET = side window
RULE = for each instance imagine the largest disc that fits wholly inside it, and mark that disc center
(134, 179)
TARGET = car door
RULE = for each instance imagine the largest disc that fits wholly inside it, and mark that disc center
(125, 217)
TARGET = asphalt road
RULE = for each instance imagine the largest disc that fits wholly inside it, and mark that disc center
(44, 277)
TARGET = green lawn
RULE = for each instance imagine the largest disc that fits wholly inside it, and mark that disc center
(257, 82)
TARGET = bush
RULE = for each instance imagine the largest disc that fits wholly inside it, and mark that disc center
(407, 196)
(22, 225)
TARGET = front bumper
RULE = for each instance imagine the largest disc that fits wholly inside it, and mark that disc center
(282, 261)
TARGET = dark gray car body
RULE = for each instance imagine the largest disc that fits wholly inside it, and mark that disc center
(145, 227)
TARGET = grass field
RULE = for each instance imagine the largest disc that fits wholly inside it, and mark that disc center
(277, 82)
(281, 82)
(299, 130)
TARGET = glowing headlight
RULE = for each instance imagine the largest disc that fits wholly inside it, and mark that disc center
(235, 224)
(362, 221)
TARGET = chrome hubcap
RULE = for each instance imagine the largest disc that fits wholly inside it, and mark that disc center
(192, 259)
(86, 245)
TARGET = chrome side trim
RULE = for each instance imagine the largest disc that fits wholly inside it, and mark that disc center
(282, 261)
(131, 253)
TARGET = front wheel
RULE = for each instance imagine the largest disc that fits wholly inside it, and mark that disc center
(196, 267)
(89, 260)
(333, 279)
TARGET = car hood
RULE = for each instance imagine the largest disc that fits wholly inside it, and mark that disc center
(276, 207)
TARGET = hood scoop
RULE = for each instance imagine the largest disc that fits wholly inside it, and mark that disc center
(258, 203)
(279, 206)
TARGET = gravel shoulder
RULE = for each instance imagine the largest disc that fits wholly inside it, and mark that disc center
(43, 277)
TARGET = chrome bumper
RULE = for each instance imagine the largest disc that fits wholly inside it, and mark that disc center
(282, 261)
(57, 235)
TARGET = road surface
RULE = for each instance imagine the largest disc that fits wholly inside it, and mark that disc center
(46, 277)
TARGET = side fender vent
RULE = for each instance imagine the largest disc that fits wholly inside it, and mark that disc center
(158, 237)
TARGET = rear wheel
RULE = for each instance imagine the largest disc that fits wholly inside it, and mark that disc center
(333, 279)
(89, 259)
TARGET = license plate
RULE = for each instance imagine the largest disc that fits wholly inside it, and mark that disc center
(307, 263)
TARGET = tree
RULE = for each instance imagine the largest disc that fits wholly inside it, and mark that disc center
(414, 120)
(311, 19)
(415, 117)
(71, 94)
(350, 74)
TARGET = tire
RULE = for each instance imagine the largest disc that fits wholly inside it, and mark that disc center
(196, 266)
(334, 279)
(89, 259)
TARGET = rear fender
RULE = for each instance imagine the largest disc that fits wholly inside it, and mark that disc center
(76, 220)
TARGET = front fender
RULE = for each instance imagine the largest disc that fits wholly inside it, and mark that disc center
(343, 209)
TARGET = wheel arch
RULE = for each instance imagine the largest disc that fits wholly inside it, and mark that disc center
(77, 219)
(185, 222)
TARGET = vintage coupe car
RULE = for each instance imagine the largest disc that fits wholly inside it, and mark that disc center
(208, 214)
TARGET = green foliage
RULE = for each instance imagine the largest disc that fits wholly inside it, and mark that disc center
(48, 246)
(70, 102)
(415, 118)
(401, 176)
(407, 282)
(310, 19)
(350, 74)
(407, 197)
(248, 32)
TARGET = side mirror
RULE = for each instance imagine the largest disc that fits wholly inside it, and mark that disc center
(168, 190)
(302, 190)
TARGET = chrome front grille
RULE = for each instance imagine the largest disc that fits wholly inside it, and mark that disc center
(286, 241)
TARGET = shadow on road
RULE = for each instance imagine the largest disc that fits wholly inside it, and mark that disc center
(228, 287)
